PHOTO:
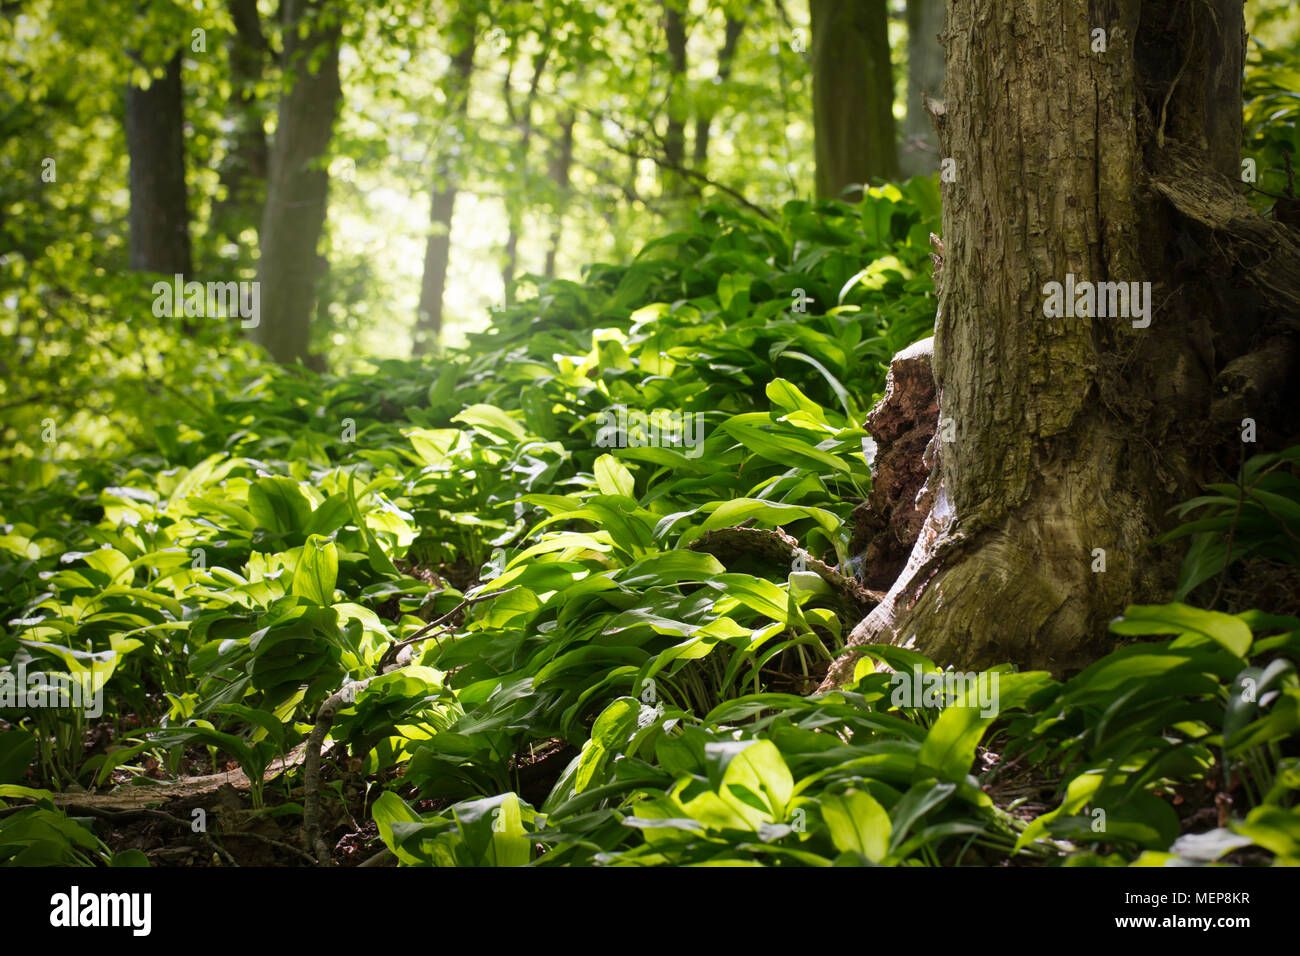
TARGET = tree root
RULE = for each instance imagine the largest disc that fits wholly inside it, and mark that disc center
(1266, 253)
(781, 549)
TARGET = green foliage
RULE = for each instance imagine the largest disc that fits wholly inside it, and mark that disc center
(230, 572)
(1271, 134)
(847, 779)
(1154, 720)
(42, 835)
(228, 575)
(1259, 515)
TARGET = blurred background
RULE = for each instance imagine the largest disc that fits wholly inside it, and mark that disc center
(480, 148)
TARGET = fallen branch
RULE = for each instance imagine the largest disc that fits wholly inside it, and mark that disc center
(185, 788)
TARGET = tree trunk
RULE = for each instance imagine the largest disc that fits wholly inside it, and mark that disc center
(243, 172)
(514, 209)
(853, 95)
(299, 184)
(672, 183)
(437, 247)
(919, 155)
(159, 218)
(561, 162)
(1073, 436)
(704, 122)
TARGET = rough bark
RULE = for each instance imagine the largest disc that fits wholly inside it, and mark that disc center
(442, 204)
(920, 151)
(1243, 245)
(853, 95)
(1071, 434)
(902, 424)
(159, 219)
(298, 189)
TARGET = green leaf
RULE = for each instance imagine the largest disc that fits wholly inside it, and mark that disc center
(387, 810)
(857, 824)
(317, 571)
(494, 421)
(1227, 630)
(17, 750)
(278, 504)
(612, 478)
(949, 747)
(129, 858)
(783, 449)
(739, 510)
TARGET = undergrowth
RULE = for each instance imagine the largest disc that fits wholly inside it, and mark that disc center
(602, 685)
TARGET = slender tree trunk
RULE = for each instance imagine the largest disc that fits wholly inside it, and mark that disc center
(704, 122)
(511, 258)
(159, 219)
(437, 247)
(298, 189)
(561, 162)
(513, 205)
(675, 134)
(243, 172)
(1072, 436)
(919, 154)
(853, 95)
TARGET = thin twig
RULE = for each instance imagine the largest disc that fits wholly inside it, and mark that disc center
(270, 841)
(311, 768)
(694, 174)
(158, 814)
(424, 632)
(1191, 45)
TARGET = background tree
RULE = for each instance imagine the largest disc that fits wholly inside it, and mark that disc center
(674, 142)
(243, 170)
(461, 36)
(853, 95)
(521, 118)
(735, 25)
(160, 218)
(561, 164)
(919, 152)
(298, 187)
